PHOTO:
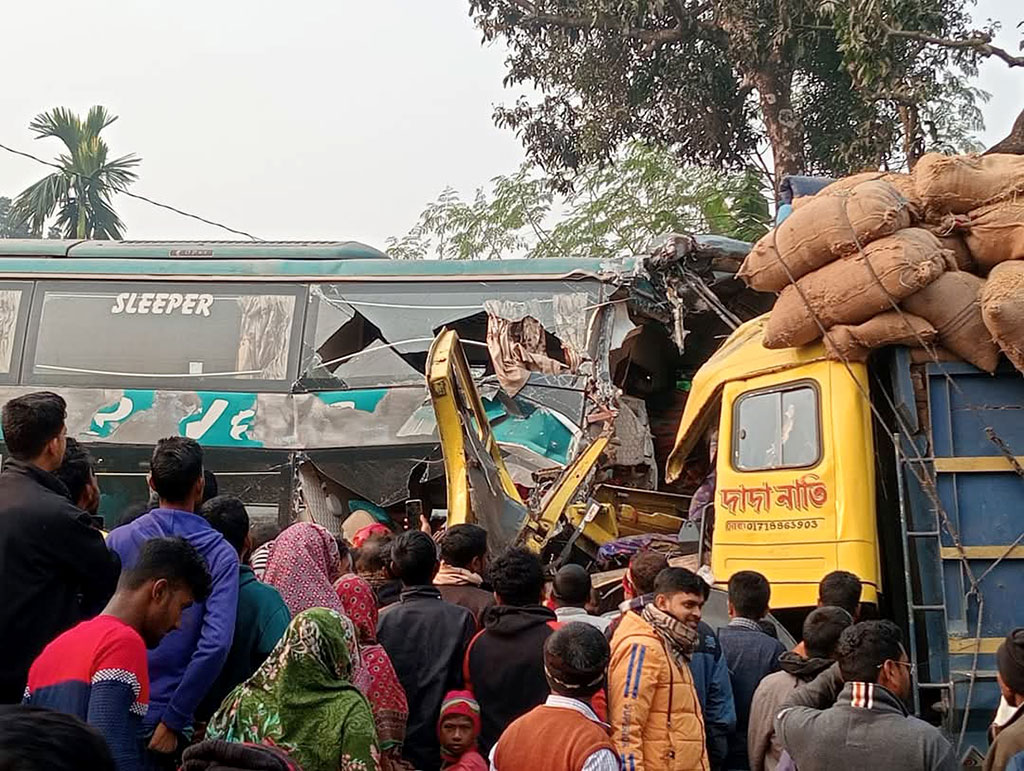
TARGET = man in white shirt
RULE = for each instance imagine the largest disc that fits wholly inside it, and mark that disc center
(563, 733)
(570, 592)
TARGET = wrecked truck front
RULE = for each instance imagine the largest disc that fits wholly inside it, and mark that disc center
(638, 341)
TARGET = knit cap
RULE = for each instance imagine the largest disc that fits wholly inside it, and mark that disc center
(1010, 660)
(460, 703)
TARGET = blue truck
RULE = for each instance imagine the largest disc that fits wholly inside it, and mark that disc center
(960, 489)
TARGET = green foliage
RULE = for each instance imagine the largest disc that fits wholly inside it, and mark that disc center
(80, 193)
(613, 209)
(832, 86)
(8, 228)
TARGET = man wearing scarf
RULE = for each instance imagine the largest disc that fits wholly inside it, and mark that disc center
(653, 706)
(463, 561)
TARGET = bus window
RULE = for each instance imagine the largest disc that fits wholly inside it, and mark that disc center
(188, 335)
(13, 307)
(777, 429)
(373, 334)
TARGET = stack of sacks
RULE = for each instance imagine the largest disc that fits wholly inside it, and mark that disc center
(953, 306)
(979, 199)
(849, 255)
(828, 226)
(852, 289)
(903, 183)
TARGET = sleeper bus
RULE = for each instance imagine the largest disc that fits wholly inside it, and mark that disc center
(300, 367)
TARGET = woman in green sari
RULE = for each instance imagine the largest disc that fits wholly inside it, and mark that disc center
(303, 701)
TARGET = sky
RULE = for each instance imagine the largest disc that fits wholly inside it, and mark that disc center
(320, 119)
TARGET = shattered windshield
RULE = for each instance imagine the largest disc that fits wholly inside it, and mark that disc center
(379, 334)
(192, 334)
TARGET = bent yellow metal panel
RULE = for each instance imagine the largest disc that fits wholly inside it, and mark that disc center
(539, 530)
(458, 407)
(742, 356)
(795, 525)
(441, 383)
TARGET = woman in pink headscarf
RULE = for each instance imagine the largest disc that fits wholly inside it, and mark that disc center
(376, 677)
(303, 567)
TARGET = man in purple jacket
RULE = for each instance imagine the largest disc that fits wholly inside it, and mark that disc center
(188, 660)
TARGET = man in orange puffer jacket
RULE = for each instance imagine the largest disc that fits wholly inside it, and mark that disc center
(652, 703)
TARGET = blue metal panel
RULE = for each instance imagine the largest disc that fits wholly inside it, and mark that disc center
(986, 506)
(981, 509)
(961, 412)
(903, 390)
(953, 600)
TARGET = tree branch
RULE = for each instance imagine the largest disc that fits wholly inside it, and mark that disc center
(653, 38)
(982, 44)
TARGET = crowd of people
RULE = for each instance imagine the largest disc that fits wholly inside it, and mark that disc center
(187, 638)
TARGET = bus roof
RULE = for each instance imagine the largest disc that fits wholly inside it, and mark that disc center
(267, 260)
(190, 250)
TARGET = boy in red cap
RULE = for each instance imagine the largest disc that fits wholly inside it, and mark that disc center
(457, 728)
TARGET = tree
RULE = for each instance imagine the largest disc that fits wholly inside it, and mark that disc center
(830, 86)
(613, 210)
(1012, 142)
(80, 192)
(9, 229)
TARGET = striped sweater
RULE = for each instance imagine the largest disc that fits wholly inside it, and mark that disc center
(97, 672)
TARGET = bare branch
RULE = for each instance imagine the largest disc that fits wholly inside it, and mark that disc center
(982, 43)
(654, 38)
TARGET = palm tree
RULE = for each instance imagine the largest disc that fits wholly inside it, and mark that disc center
(81, 191)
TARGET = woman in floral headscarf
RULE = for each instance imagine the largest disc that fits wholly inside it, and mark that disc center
(303, 567)
(303, 701)
(376, 677)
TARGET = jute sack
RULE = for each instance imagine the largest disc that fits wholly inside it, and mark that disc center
(996, 233)
(952, 303)
(959, 183)
(846, 291)
(955, 244)
(904, 184)
(1002, 307)
(825, 228)
(950, 234)
(855, 342)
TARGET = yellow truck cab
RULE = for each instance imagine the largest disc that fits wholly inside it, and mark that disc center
(906, 471)
(794, 491)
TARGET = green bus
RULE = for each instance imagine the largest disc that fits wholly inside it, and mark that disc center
(299, 366)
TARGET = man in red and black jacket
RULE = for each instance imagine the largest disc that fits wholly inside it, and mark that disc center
(505, 661)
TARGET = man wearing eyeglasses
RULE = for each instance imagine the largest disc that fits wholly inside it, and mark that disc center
(853, 716)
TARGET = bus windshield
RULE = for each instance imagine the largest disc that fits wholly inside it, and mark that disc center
(370, 334)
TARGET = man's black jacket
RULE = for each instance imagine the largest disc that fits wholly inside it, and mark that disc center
(55, 569)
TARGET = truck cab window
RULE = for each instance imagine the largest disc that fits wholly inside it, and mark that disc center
(777, 429)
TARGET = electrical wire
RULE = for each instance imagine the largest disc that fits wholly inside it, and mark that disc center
(136, 196)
